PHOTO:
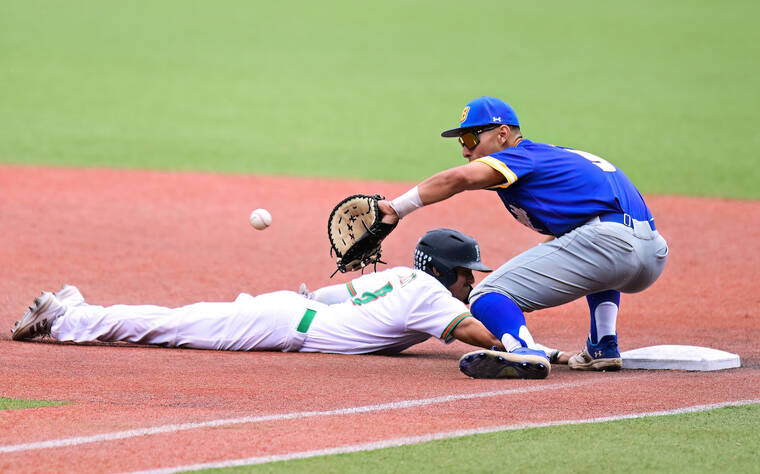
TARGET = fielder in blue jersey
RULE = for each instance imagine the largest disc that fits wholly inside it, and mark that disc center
(605, 239)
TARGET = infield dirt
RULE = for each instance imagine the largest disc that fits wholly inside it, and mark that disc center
(175, 238)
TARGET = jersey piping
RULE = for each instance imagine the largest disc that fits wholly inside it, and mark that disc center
(453, 324)
(499, 166)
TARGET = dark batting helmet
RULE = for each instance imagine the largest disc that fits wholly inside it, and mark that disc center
(447, 249)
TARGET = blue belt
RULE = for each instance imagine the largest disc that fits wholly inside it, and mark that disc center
(625, 219)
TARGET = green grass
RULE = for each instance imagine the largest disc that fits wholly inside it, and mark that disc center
(667, 91)
(15, 404)
(722, 440)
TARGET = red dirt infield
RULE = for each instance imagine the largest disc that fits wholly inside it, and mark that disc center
(176, 238)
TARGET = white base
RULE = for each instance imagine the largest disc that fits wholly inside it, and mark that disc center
(679, 358)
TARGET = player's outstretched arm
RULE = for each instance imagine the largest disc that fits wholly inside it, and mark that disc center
(471, 331)
(441, 186)
(556, 356)
(444, 184)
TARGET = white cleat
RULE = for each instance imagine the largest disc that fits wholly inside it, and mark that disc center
(40, 317)
(585, 361)
(303, 290)
(70, 295)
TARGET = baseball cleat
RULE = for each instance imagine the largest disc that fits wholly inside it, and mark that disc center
(39, 319)
(70, 295)
(521, 363)
(303, 290)
(604, 355)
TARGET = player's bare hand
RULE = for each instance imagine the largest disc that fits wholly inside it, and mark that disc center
(563, 357)
(389, 215)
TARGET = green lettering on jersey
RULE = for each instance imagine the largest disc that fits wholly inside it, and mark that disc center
(368, 296)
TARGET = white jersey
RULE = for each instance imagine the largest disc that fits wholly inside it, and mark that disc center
(386, 311)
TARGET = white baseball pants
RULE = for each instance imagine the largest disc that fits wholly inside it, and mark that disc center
(264, 322)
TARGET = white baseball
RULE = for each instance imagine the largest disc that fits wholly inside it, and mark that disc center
(260, 219)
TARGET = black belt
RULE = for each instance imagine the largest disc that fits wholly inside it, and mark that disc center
(623, 218)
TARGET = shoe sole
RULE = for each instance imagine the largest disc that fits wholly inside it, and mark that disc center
(485, 364)
(30, 325)
(611, 364)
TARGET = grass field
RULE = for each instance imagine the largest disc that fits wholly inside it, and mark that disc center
(14, 404)
(338, 88)
(668, 91)
(673, 443)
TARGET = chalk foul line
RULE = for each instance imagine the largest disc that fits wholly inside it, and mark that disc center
(116, 435)
(391, 443)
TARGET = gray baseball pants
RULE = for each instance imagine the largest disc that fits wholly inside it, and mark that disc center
(594, 257)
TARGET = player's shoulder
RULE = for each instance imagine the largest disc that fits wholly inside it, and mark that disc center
(534, 152)
(525, 152)
(392, 274)
(529, 148)
(398, 271)
(406, 276)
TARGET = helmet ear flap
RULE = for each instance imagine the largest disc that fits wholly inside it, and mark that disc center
(448, 278)
(445, 275)
(426, 260)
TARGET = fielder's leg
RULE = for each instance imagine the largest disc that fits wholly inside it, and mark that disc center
(603, 308)
(578, 264)
(506, 321)
(601, 351)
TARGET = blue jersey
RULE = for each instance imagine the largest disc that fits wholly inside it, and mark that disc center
(554, 189)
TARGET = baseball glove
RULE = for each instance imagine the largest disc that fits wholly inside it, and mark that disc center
(355, 232)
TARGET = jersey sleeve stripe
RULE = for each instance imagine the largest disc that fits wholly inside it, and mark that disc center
(499, 166)
(453, 324)
(351, 289)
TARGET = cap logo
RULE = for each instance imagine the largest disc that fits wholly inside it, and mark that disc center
(496, 119)
(464, 114)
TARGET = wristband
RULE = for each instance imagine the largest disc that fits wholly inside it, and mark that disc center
(407, 202)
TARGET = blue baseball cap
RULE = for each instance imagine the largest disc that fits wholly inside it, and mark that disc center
(484, 111)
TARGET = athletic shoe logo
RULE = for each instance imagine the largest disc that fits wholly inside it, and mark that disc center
(403, 280)
(598, 354)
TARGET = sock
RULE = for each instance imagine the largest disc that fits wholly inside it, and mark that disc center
(603, 307)
(500, 315)
(510, 342)
(526, 336)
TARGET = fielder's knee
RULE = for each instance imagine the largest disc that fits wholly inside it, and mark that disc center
(499, 314)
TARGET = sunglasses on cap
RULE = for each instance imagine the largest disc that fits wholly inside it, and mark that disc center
(470, 139)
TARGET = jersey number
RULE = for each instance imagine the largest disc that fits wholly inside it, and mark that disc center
(600, 162)
(368, 296)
